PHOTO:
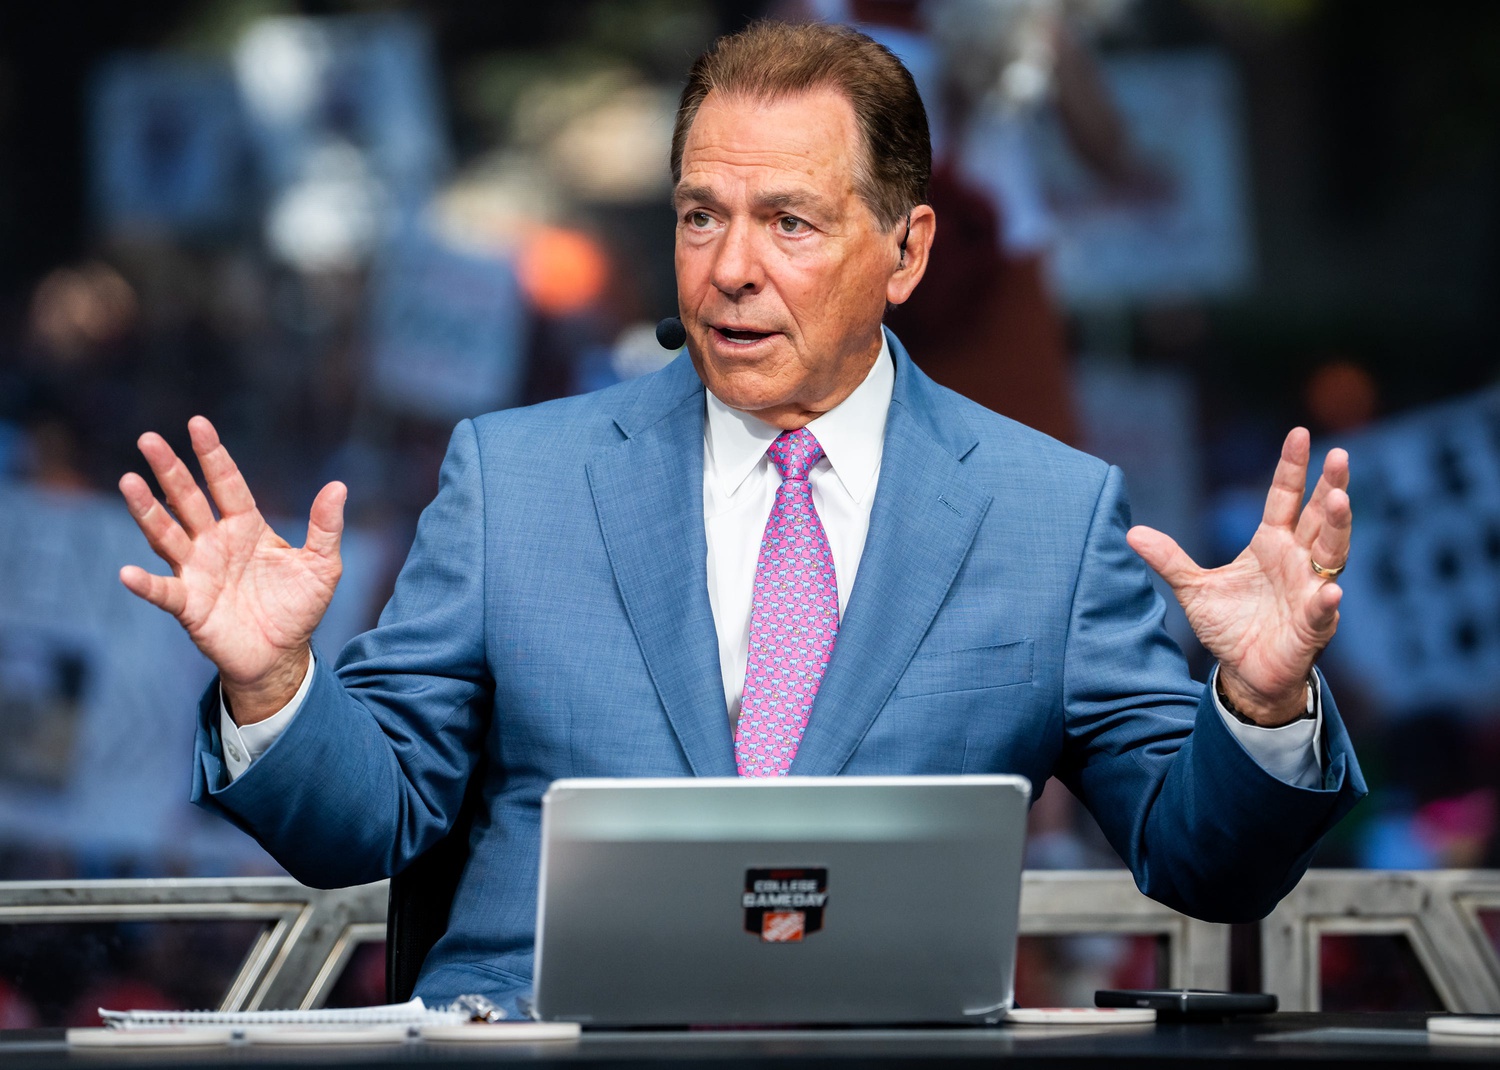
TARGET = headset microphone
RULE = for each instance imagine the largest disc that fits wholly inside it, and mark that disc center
(671, 333)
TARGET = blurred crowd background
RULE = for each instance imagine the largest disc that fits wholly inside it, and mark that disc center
(1169, 230)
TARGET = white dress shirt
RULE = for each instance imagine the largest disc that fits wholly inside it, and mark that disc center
(739, 487)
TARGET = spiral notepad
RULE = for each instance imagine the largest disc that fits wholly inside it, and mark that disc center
(391, 1023)
(414, 1012)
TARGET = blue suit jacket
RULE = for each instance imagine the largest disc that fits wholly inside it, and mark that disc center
(553, 620)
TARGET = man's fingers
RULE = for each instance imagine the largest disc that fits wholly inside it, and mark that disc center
(163, 592)
(164, 535)
(1335, 476)
(1336, 468)
(1330, 547)
(176, 483)
(231, 492)
(1323, 609)
(1162, 553)
(1284, 500)
(325, 524)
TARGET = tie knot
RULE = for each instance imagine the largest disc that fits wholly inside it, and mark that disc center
(795, 452)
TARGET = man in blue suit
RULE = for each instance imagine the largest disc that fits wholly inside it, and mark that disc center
(591, 594)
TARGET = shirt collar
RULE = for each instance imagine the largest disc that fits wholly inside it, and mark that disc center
(852, 434)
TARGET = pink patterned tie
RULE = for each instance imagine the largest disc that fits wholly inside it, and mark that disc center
(794, 617)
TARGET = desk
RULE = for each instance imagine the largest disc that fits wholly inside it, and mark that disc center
(1365, 1041)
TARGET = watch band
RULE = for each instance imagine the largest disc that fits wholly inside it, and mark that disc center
(1309, 714)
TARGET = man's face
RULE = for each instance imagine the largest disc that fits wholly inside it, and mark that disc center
(783, 273)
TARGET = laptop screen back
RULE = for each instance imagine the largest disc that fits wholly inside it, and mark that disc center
(793, 900)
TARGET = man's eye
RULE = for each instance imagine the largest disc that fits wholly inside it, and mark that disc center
(790, 224)
(699, 219)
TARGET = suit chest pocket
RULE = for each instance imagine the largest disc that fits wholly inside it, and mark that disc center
(971, 669)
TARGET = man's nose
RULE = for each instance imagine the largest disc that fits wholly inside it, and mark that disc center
(737, 263)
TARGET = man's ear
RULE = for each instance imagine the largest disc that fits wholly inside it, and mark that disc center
(912, 260)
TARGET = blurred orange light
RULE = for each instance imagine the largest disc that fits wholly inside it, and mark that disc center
(1341, 396)
(562, 271)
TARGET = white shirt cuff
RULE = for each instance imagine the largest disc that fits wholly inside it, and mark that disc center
(1289, 752)
(245, 743)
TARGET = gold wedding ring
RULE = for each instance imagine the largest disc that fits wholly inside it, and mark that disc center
(1327, 573)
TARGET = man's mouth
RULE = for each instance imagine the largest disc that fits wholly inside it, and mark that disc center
(741, 335)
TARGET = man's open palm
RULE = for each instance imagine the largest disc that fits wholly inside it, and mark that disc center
(1268, 614)
(247, 598)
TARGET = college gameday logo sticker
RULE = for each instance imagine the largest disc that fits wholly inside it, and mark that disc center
(784, 905)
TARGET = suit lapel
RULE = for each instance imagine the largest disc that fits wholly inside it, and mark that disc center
(648, 494)
(924, 518)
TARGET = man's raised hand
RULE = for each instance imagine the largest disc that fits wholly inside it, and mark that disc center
(1268, 613)
(247, 598)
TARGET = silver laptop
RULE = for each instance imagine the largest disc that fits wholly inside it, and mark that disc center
(792, 900)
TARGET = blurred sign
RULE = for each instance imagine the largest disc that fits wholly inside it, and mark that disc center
(447, 329)
(168, 143)
(1420, 620)
(1181, 230)
(44, 682)
(1143, 421)
(346, 118)
(99, 691)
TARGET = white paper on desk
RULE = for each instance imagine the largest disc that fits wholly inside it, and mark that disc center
(198, 1036)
